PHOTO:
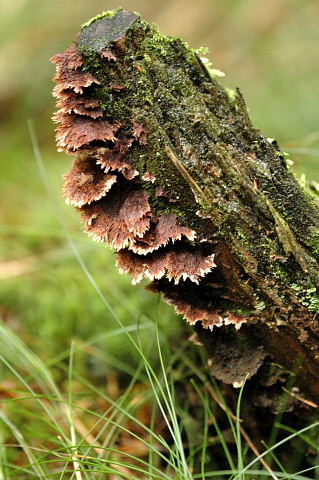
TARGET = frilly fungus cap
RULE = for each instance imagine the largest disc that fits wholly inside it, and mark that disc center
(127, 190)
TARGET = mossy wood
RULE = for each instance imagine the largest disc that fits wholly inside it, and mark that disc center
(170, 171)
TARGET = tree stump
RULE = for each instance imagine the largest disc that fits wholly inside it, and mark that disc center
(170, 171)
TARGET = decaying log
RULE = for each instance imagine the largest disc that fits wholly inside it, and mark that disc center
(170, 171)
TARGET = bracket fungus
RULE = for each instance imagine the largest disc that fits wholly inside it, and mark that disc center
(171, 173)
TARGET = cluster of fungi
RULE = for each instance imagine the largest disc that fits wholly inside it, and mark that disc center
(109, 193)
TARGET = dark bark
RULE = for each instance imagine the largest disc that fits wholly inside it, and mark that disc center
(201, 160)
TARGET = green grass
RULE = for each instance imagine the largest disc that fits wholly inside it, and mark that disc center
(75, 429)
(95, 374)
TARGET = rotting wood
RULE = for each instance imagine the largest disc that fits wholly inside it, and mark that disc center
(171, 172)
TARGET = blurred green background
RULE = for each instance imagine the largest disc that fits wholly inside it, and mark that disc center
(269, 49)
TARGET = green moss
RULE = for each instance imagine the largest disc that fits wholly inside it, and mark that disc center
(245, 312)
(157, 44)
(160, 206)
(260, 305)
(286, 158)
(240, 234)
(314, 186)
(213, 72)
(314, 242)
(92, 61)
(307, 296)
(201, 51)
(279, 272)
(231, 94)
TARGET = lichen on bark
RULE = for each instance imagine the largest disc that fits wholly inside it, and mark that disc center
(217, 193)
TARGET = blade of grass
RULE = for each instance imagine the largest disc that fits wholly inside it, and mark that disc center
(222, 404)
(127, 414)
(33, 394)
(70, 411)
(258, 473)
(207, 415)
(36, 467)
(3, 457)
(172, 412)
(278, 444)
(238, 430)
(208, 388)
(306, 439)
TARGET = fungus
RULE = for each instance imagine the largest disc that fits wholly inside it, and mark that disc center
(116, 159)
(70, 60)
(75, 131)
(72, 80)
(165, 228)
(139, 133)
(148, 177)
(86, 182)
(80, 104)
(108, 54)
(118, 218)
(69, 76)
(174, 264)
(193, 314)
